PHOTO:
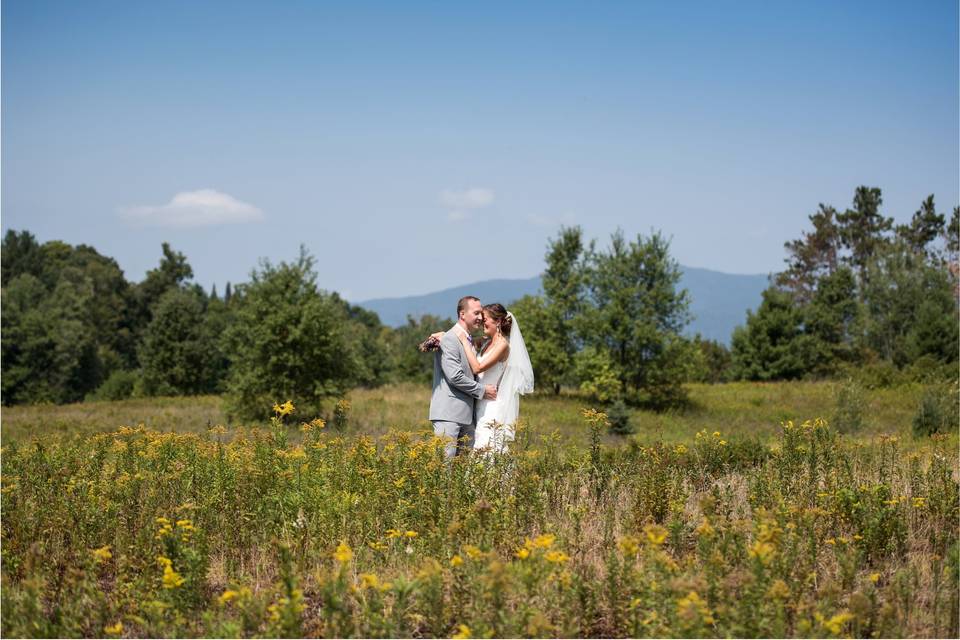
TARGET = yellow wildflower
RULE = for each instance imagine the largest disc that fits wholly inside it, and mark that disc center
(284, 409)
(762, 551)
(629, 545)
(544, 541)
(297, 453)
(472, 552)
(394, 533)
(778, 590)
(463, 631)
(369, 581)
(316, 423)
(171, 579)
(522, 553)
(680, 449)
(705, 529)
(716, 434)
(102, 554)
(114, 629)
(343, 554)
(874, 578)
(557, 557)
(227, 596)
(456, 561)
(919, 502)
(692, 607)
(596, 417)
(411, 534)
(835, 624)
(656, 535)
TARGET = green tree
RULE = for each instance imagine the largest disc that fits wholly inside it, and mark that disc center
(563, 283)
(176, 353)
(863, 228)
(925, 226)
(217, 318)
(636, 314)
(21, 254)
(813, 256)
(952, 234)
(85, 303)
(772, 345)
(49, 353)
(714, 361)
(288, 341)
(833, 319)
(173, 272)
(548, 342)
(911, 307)
(406, 362)
(366, 336)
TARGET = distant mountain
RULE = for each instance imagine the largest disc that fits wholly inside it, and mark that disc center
(719, 301)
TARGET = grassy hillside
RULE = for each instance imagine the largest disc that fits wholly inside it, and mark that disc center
(739, 409)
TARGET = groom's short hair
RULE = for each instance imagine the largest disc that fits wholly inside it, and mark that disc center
(462, 305)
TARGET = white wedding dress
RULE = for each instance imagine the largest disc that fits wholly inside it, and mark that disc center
(495, 420)
(513, 377)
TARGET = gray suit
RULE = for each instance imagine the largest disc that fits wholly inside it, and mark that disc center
(455, 389)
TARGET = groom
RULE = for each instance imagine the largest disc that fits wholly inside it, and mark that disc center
(455, 387)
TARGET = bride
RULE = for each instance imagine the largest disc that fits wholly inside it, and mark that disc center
(503, 361)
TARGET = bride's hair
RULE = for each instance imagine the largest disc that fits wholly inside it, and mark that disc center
(499, 314)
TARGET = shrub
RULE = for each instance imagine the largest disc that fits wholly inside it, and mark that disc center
(118, 386)
(289, 341)
(619, 417)
(937, 412)
(850, 404)
(598, 375)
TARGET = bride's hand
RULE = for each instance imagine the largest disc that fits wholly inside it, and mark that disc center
(438, 335)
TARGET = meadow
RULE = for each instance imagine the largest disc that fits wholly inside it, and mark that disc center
(745, 514)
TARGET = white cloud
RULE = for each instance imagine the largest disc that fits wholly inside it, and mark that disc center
(475, 198)
(457, 216)
(201, 208)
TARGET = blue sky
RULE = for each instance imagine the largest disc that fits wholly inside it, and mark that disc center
(417, 146)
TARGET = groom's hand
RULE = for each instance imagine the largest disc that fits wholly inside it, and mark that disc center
(490, 392)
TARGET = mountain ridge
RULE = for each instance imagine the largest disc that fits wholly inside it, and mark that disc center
(719, 301)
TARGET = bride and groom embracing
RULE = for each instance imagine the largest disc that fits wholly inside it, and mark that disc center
(476, 389)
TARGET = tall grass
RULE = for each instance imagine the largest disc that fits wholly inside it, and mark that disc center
(741, 409)
(280, 532)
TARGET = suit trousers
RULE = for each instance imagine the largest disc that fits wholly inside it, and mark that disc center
(460, 436)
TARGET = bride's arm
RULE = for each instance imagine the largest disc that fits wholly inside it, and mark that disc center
(491, 358)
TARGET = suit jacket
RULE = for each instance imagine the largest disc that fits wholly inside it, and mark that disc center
(455, 387)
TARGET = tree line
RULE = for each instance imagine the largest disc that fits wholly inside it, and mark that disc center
(858, 293)
(74, 328)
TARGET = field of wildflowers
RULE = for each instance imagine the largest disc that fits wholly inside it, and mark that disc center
(296, 529)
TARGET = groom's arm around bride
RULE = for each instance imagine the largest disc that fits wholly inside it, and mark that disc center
(455, 387)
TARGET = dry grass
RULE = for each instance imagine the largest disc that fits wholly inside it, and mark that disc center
(739, 409)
